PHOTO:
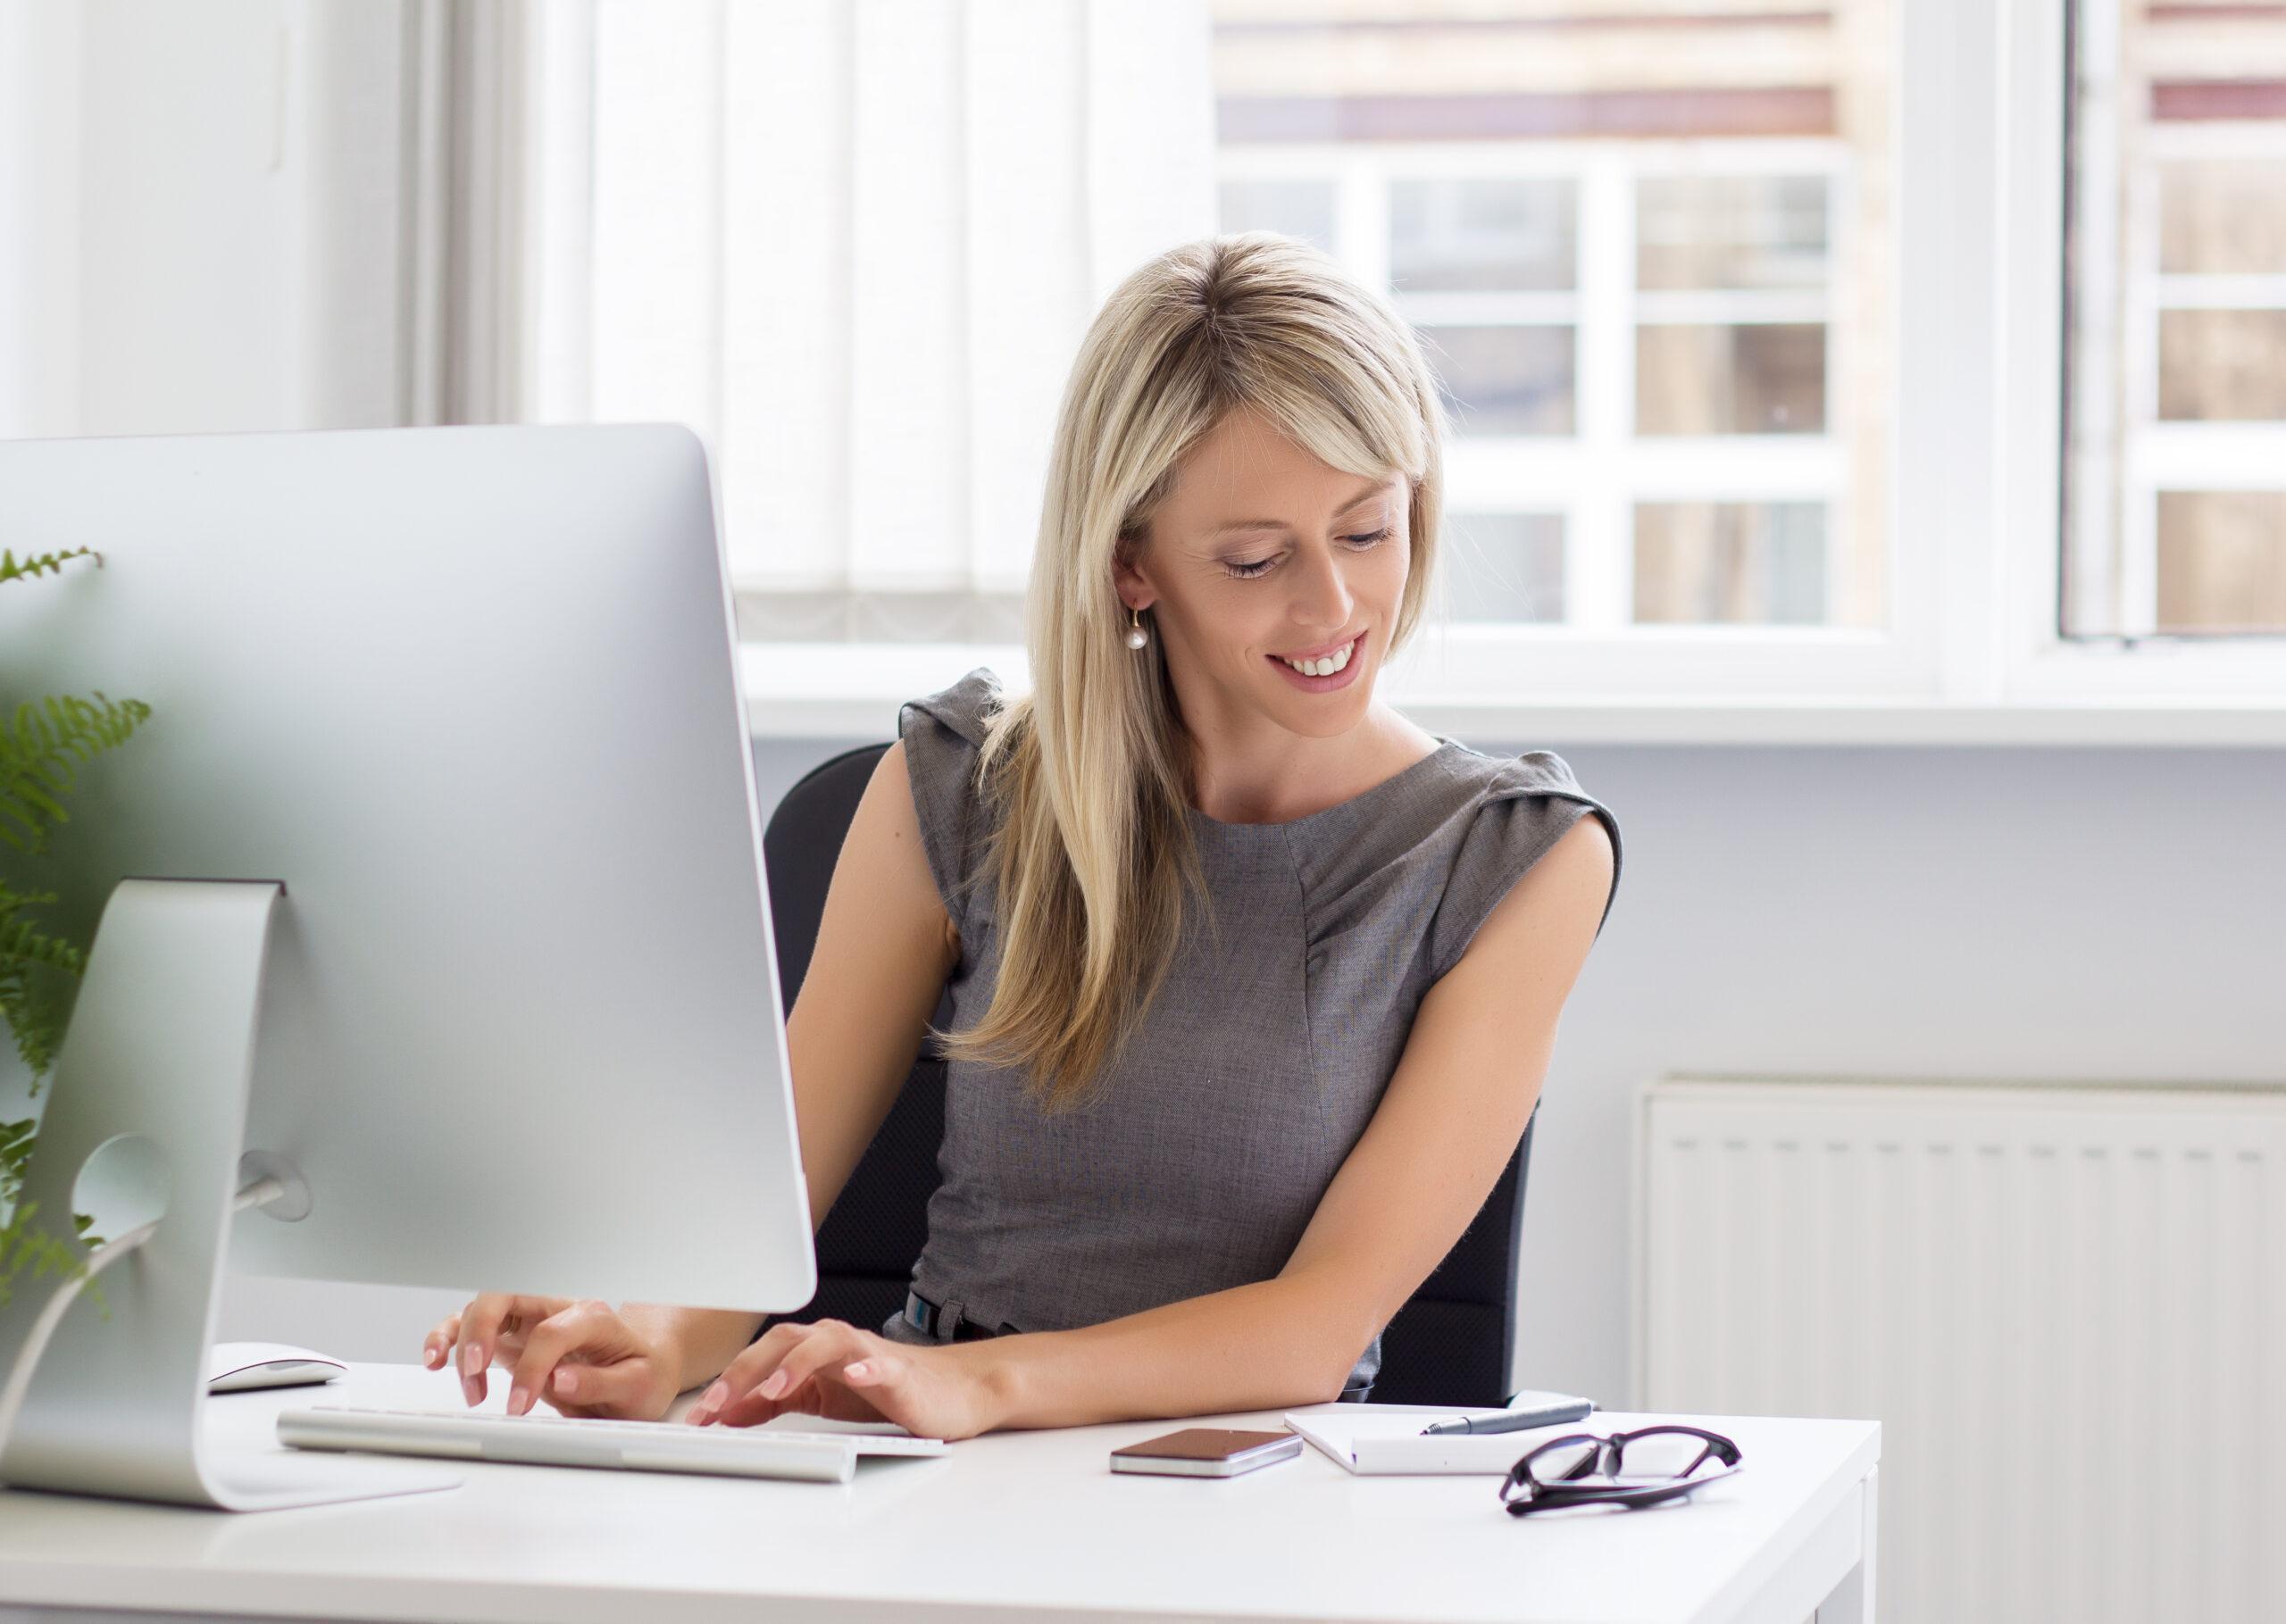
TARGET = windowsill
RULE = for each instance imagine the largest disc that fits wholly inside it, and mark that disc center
(804, 692)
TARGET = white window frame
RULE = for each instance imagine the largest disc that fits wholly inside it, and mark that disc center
(2030, 662)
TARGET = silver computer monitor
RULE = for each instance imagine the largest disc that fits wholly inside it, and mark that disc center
(468, 698)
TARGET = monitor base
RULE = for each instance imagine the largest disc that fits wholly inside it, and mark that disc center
(266, 1482)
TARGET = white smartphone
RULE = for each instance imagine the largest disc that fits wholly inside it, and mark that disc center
(1207, 1451)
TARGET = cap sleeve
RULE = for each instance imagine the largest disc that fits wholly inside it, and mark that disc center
(1527, 808)
(943, 734)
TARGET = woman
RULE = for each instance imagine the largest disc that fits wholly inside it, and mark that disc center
(1256, 980)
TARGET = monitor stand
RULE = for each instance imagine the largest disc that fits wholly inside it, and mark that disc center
(157, 1061)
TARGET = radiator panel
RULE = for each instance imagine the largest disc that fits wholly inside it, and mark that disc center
(2087, 1281)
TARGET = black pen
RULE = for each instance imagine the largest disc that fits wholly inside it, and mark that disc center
(1514, 1420)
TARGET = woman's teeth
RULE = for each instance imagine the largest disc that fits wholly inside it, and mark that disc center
(1325, 665)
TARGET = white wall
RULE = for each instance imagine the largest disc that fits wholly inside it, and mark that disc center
(199, 216)
(40, 159)
(2057, 914)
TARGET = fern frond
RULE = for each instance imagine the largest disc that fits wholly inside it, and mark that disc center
(16, 1155)
(20, 944)
(36, 753)
(12, 569)
(36, 1022)
(11, 899)
(23, 1244)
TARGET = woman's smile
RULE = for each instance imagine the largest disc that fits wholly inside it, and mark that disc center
(1340, 665)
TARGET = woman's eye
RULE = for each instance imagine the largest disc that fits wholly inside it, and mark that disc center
(1248, 571)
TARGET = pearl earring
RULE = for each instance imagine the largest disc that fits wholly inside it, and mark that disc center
(1136, 636)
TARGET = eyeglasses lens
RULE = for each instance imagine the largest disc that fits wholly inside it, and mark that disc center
(1661, 1455)
(1561, 1461)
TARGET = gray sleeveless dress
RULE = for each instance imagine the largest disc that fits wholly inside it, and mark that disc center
(1258, 1065)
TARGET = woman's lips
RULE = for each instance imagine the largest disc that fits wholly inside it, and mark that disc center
(1322, 650)
(1339, 680)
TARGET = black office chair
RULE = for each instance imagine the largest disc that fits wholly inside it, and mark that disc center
(1452, 1342)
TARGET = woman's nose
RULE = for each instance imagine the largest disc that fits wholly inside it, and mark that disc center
(1323, 601)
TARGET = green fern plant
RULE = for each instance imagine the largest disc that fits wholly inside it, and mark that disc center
(39, 745)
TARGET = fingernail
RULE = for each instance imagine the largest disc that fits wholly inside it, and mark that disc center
(563, 1383)
(699, 1415)
(777, 1382)
(853, 1370)
(519, 1401)
(716, 1395)
(470, 1362)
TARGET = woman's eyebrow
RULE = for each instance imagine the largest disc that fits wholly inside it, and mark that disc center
(1357, 501)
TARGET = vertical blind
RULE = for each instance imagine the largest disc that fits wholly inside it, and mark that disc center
(855, 246)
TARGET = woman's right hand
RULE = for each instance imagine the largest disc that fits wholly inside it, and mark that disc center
(581, 1355)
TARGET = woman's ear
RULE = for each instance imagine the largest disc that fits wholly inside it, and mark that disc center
(1134, 591)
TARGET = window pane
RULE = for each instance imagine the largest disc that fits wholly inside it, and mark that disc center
(2222, 364)
(1504, 380)
(1729, 562)
(1299, 208)
(1764, 379)
(1504, 567)
(2221, 215)
(2222, 561)
(2176, 387)
(1515, 234)
(1695, 231)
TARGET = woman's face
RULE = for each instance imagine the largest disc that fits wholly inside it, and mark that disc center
(1262, 551)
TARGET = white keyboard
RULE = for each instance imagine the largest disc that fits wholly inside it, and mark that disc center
(544, 1438)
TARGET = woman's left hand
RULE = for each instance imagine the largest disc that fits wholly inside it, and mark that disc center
(834, 1370)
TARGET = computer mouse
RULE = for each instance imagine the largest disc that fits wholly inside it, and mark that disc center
(234, 1365)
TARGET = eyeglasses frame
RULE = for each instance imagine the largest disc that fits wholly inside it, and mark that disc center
(1612, 1448)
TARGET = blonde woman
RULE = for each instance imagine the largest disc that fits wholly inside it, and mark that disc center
(1256, 982)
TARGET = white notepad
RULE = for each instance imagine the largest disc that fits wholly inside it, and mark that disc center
(1386, 1438)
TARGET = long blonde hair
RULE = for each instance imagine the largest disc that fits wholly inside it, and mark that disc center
(1087, 778)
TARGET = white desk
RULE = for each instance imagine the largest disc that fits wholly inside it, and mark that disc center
(1029, 1523)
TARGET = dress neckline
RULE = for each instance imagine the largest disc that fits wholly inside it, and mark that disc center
(1200, 821)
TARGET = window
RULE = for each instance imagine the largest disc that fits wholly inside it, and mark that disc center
(1643, 248)
(1769, 385)
(2176, 495)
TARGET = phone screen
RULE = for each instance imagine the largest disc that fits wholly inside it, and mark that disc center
(1204, 1443)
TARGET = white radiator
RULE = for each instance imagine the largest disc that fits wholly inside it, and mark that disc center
(2067, 1306)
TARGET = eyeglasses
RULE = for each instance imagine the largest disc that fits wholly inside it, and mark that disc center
(1628, 1469)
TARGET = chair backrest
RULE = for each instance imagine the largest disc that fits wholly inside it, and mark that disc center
(1452, 1342)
